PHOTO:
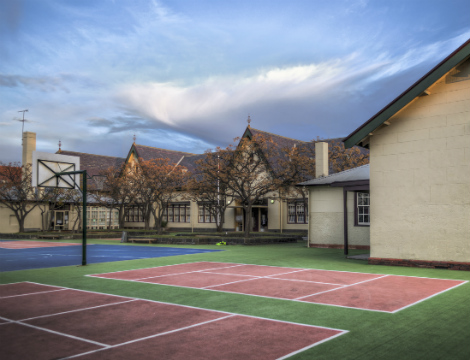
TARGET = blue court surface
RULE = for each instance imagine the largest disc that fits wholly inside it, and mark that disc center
(38, 258)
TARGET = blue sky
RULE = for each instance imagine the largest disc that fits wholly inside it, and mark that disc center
(185, 75)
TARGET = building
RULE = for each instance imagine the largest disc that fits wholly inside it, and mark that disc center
(339, 205)
(420, 170)
(271, 213)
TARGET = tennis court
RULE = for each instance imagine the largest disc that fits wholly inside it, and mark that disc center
(50, 322)
(23, 255)
(375, 292)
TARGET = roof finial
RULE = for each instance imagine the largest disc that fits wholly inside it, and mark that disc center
(60, 144)
(135, 138)
(248, 120)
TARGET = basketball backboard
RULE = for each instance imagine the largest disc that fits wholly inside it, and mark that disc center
(47, 167)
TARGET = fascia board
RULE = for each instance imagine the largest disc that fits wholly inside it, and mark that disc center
(407, 96)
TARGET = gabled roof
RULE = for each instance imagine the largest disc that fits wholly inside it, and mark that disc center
(358, 135)
(360, 173)
(149, 153)
(281, 141)
(189, 162)
(93, 163)
(304, 146)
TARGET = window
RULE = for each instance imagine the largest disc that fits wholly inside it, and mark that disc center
(99, 218)
(178, 213)
(206, 214)
(362, 208)
(297, 212)
(134, 214)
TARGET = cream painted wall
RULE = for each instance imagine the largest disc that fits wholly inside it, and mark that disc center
(9, 224)
(326, 221)
(276, 217)
(420, 178)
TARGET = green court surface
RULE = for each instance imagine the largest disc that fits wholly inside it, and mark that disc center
(437, 328)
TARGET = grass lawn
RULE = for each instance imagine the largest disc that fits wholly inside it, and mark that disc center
(438, 328)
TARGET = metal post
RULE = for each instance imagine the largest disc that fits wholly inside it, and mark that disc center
(345, 221)
(84, 192)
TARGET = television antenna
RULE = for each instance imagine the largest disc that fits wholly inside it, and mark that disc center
(22, 128)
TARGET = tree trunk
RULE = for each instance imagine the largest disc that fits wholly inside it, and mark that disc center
(220, 222)
(122, 216)
(248, 225)
(110, 217)
(21, 223)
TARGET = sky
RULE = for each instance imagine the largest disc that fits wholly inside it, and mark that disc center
(185, 75)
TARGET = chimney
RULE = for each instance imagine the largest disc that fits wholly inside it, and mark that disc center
(29, 145)
(321, 159)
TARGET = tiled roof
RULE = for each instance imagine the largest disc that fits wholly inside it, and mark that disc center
(304, 146)
(149, 152)
(281, 141)
(93, 163)
(189, 162)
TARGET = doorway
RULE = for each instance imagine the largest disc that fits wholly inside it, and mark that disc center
(61, 220)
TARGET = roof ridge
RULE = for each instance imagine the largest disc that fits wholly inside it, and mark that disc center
(156, 148)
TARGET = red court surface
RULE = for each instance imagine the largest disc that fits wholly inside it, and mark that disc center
(47, 322)
(375, 292)
(31, 244)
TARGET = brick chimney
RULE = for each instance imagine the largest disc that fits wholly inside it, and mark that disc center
(29, 145)
(321, 159)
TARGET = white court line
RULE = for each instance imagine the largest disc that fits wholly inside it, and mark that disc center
(346, 271)
(149, 337)
(342, 287)
(200, 308)
(308, 281)
(233, 282)
(183, 273)
(77, 310)
(229, 314)
(151, 277)
(162, 266)
(312, 345)
(53, 332)
(417, 302)
(259, 276)
(28, 294)
(299, 269)
(299, 299)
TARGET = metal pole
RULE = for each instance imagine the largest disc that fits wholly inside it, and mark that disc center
(84, 192)
(345, 221)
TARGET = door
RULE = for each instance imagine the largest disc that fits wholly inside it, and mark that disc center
(255, 219)
(59, 220)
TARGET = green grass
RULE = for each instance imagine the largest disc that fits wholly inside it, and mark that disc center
(438, 328)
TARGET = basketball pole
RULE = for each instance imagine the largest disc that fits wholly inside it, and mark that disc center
(84, 194)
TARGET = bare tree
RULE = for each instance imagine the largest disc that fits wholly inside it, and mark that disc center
(17, 192)
(157, 182)
(117, 190)
(213, 194)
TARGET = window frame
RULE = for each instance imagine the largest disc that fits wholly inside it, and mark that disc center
(206, 214)
(177, 213)
(134, 213)
(357, 212)
(296, 214)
